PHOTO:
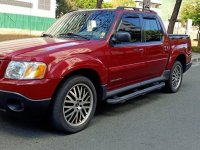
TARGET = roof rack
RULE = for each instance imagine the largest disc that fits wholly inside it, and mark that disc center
(134, 8)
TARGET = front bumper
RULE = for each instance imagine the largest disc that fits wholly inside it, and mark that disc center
(16, 103)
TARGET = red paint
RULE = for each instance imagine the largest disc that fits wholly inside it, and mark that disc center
(123, 66)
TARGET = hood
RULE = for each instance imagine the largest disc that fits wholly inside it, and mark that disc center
(34, 46)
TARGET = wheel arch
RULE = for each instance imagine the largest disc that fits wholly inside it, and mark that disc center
(178, 57)
(182, 59)
(89, 73)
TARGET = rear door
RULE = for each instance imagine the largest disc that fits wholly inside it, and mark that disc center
(156, 53)
(127, 64)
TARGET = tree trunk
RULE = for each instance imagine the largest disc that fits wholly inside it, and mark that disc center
(174, 16)
(99, 3)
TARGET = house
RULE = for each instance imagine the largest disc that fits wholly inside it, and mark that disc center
(24, 16)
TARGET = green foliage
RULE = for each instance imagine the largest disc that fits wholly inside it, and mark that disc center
(85, 3)
(196, 49)
(89, 4)
(116, 3)
(191, 10)
(107, 5)
(64, 6)
(61, 7)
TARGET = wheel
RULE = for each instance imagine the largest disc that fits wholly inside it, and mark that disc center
(174, 82)
(74, 104)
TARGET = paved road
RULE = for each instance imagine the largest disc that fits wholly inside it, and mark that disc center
(157, 121)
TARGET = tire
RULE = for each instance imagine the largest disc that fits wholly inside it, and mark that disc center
(74, 105)
(175, 80)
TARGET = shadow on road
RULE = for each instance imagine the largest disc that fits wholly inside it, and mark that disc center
(105, 109)
(39, 127)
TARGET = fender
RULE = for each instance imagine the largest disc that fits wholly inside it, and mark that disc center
(80, 61)
(175, 52)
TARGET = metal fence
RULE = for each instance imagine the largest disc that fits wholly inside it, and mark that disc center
(16, 21)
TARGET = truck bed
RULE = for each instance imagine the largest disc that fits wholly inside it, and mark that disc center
(178, 36)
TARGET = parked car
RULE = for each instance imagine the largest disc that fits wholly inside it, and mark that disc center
(90, 56)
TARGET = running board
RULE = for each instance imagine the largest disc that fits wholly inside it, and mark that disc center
(125, 98)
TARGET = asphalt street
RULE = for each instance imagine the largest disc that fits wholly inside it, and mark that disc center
(156, 121)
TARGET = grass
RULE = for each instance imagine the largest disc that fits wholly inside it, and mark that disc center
(13, 37)
(196, 49)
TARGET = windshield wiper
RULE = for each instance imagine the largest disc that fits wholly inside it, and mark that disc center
(74, 35)
(47, 35)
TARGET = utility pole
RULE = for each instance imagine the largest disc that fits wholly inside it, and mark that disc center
(146, 4)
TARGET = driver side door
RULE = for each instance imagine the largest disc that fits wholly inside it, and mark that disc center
(127, 61)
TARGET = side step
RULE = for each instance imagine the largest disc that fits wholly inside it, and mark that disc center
(124, 98)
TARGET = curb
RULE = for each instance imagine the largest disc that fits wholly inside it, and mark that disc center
(196, 60)
(195, 57)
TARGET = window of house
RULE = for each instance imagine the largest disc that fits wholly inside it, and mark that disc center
(44, 4)
(17, 3)
(131, 25)
(152, 30)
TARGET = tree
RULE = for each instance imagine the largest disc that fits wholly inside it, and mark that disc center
(174, 16)
(91, 4)
(128, 3)
(191, 10)
(99, 3)
(64, 6)
(106, 5)
(83, 4)
(61, 8)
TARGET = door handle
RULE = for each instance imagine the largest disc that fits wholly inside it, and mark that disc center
(139, 50)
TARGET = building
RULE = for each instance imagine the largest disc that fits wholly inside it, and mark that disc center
(23, 16)
(155, 5)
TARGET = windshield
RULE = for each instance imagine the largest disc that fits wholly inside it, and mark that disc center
(93, 25)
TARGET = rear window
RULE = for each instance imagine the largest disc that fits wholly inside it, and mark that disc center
(152, 30)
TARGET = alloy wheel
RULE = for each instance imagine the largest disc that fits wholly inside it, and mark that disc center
(176, 76)
(78, 104)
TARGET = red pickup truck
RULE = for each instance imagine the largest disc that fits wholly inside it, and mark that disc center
(90, 56)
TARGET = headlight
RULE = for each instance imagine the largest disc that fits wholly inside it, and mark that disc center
(25, 70)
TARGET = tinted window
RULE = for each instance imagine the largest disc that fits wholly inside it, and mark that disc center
(152, 30)
(131, 25)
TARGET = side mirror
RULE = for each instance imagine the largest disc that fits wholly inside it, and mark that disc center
(121, 37)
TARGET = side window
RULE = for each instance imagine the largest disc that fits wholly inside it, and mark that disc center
(152, 30)
(131, 25)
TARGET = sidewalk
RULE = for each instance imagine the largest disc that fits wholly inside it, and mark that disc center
(195, 57)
